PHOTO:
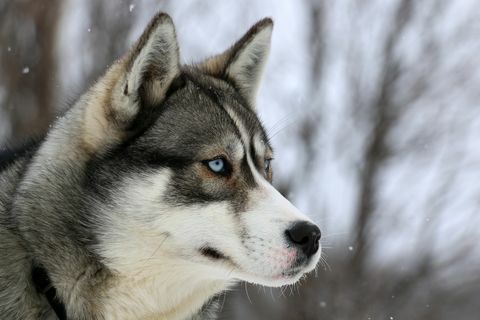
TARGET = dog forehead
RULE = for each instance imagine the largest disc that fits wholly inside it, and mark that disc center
(206, 111)
(232, 102)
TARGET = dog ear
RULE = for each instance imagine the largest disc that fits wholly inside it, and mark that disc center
(153, 62)
(147, 71)
(243, 63)
(123, 100)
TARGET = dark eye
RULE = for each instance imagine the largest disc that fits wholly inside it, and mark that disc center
(267, 165)
(217, 165)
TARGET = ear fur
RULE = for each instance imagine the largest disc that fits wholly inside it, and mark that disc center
(133, 86)
(244, 62)
(148, 71)
(154, 61)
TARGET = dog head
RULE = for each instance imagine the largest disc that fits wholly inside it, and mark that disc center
(182, 171)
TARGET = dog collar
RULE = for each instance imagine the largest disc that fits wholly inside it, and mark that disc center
(44, 286)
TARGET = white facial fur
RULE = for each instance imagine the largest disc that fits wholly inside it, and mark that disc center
(155, 247)
(269, 257)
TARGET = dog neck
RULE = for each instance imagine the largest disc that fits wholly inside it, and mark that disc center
(172, 293)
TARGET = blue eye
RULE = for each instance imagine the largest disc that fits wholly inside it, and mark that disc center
(217, 165)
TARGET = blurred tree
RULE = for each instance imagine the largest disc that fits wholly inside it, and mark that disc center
(28, 37)
(110, 26)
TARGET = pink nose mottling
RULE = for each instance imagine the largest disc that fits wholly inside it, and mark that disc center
(284, 257)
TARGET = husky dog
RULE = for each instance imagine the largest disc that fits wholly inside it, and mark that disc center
(152, 194)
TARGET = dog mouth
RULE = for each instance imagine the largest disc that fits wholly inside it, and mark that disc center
(290, 274)
(212, 253)
(298, 268)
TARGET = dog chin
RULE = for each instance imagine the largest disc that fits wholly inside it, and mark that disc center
(283, 279)
(287, 277)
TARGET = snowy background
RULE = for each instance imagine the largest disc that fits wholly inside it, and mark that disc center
(374, 112)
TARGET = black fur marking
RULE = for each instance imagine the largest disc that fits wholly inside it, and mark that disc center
(178, 83)
(44, 286)
(253, 153)
(212, 253)
(248, 174)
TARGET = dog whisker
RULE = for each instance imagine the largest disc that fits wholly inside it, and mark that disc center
(272, 295)
(246, 292)
(223, 301)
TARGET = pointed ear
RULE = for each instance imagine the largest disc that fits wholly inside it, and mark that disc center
(153, 62)
(243, 63)
(124, 99)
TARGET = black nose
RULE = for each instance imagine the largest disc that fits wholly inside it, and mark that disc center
(306, 236)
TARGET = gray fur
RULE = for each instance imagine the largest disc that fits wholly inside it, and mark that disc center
(48, 199)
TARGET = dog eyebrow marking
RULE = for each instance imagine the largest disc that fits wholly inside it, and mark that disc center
(259, 146)
(238, 123)
(235, 147)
